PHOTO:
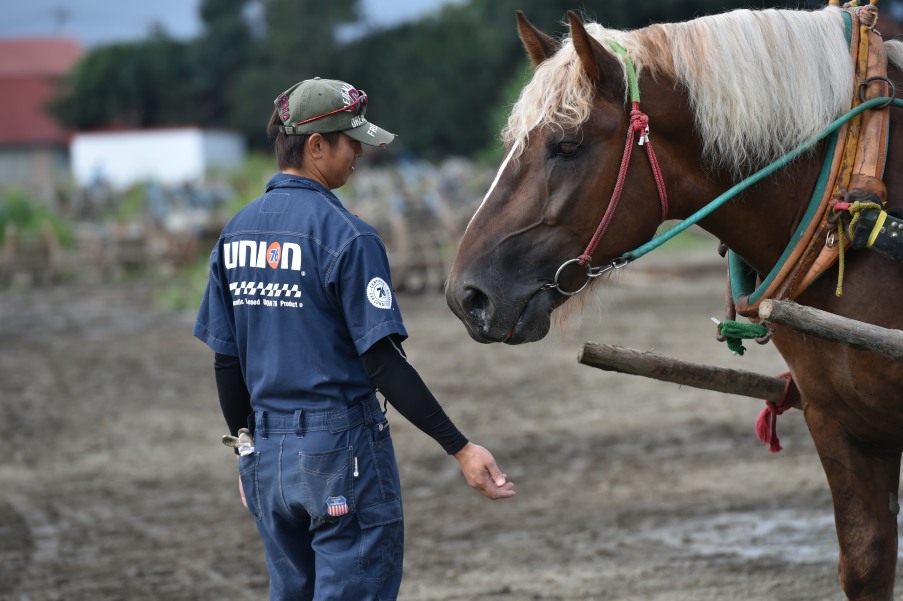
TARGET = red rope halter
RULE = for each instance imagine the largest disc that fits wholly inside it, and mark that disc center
(639, 124)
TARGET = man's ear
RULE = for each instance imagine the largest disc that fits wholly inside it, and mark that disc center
(315, 143)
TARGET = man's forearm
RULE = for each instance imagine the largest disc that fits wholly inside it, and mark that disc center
(234, 398)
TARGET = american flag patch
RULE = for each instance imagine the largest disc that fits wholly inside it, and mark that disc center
(337, 506)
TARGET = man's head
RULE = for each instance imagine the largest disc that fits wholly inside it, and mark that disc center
(326, 106)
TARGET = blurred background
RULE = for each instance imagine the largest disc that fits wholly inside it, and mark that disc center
(130, 131)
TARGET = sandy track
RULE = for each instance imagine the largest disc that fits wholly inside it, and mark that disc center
(114, 484)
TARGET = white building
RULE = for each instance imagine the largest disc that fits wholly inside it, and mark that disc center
(165, 156)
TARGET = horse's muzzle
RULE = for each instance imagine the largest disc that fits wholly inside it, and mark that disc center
(489, 319)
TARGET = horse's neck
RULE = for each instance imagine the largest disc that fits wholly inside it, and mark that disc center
(758, 223)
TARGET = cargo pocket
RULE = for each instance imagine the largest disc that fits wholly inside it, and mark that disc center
(328, 489)
(382, 540)
(247, 473)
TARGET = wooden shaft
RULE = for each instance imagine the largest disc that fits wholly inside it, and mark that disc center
(611, 357)
(859, 335)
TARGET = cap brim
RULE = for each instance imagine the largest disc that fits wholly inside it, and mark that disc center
(370, 134)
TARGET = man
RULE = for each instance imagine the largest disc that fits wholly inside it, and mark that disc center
(300, 314)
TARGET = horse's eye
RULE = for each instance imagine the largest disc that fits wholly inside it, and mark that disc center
(567, 149)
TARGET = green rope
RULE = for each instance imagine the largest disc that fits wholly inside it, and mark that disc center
(632, 83)
(755, 178)
(735, 332)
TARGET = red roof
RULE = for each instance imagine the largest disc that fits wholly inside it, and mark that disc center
(30, 57)
(29, 72)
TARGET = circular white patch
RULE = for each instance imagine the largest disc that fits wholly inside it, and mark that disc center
(379, 294)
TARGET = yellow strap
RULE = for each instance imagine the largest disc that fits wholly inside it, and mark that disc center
(879, 223)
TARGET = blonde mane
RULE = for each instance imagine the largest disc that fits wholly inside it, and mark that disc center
(759, 83)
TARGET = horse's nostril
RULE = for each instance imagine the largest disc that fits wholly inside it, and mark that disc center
(474, 302)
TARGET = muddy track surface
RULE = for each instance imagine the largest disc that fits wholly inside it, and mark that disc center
(115, 485)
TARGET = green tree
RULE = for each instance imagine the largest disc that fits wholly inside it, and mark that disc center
(438, 82)
(301, 35)
(129, 85)
(298, 40)
(218, 57)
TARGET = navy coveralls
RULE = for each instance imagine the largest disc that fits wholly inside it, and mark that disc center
(299, 288)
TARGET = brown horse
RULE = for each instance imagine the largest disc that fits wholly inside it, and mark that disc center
(725, 95)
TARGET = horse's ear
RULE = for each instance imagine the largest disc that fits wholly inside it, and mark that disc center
(538, 45)
(603, 69)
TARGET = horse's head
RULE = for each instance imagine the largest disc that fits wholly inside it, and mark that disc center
(565, 143)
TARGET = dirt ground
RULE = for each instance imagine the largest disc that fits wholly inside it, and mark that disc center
(114, 486)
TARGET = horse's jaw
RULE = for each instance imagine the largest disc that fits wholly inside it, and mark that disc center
(490, 319)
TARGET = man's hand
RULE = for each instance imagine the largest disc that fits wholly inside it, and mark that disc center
(482, 473)
(241, 491)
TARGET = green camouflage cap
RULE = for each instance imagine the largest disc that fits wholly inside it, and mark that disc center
(327, 105)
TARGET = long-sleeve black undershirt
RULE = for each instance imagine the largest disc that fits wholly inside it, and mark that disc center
(389, 371)
(234, 398)
(399, 382)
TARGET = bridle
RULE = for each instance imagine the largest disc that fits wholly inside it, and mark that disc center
(639, 125)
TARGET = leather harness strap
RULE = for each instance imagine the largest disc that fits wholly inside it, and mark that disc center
(857, 168)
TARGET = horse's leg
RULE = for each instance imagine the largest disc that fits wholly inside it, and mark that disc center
(864, 485)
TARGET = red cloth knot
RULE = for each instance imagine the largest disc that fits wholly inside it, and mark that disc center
(767, 422)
